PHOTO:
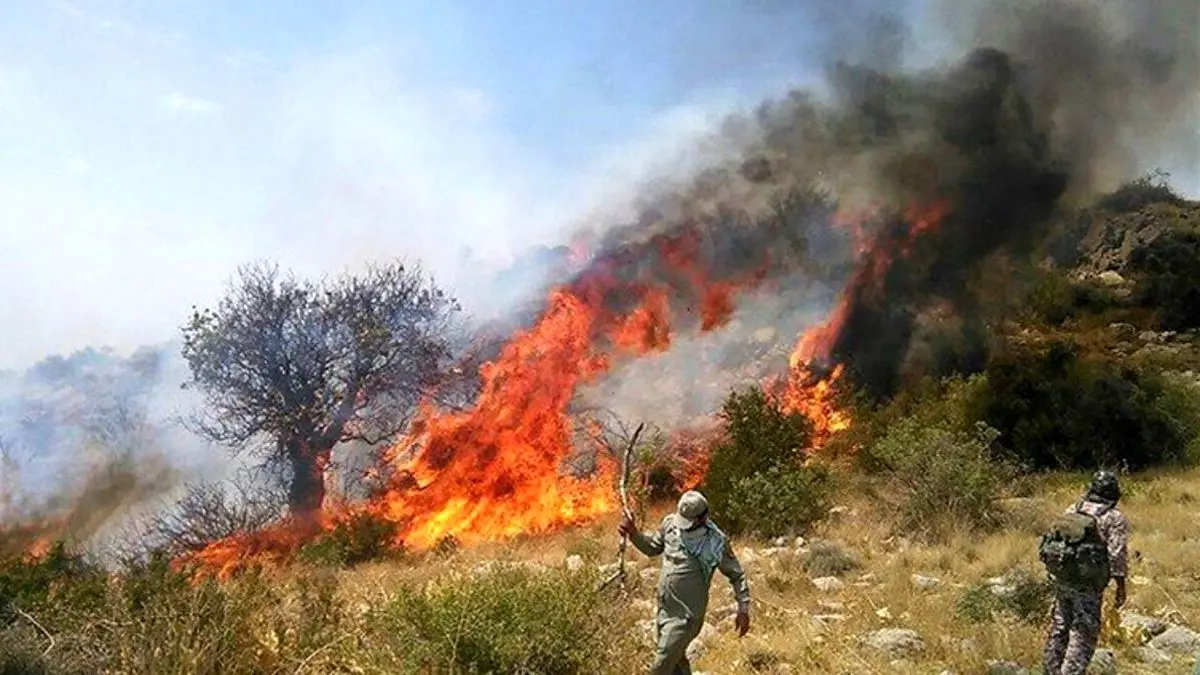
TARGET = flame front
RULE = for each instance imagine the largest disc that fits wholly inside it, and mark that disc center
(496, 470)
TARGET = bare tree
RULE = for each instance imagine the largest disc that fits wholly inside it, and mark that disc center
(291, 368)
(208, 512)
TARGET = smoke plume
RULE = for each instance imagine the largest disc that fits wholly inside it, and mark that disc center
(935, 170)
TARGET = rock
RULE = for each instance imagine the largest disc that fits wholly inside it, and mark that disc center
(839, 510)
(830, 606)
(1148, 336)
(1104, 662)
(1149, 654)
(1149, 626)
(780, 542)
(1123, 331)
(800, 542)
(1111, 278)
(574, 563)
(648, 574)
(1177, 640)
(828, 584)
(1005, 668)
(925, 583)
(896, 642)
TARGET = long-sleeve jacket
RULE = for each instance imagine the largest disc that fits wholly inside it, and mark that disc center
(1114, 528)
(690, 558)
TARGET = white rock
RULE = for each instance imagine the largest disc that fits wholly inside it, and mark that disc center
(800, 542)
(896, 642)
(1151, 655)
(780, 542)
(1149, 626)
(828, 584)
(1111, 278)
(1177, 640)
(1104, 662)
(839, 510)
(574, 563)
(1005, 668)
(925, 583)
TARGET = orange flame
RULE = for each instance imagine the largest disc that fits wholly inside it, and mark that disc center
(496, 470)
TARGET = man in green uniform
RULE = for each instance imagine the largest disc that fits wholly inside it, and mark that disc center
(693, 548)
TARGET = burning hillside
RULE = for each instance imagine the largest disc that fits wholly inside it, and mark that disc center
(864, 211)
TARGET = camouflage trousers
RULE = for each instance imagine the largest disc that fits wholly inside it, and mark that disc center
(1074, 631)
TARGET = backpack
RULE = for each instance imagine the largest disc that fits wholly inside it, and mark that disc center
(1074, 552)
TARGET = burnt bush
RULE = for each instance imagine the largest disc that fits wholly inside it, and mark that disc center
(1137, 194)
(1055, 409)
(1167, 270)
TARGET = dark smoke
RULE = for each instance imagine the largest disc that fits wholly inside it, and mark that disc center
(1050, 103)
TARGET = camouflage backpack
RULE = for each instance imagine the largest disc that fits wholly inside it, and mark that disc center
(1074, 552)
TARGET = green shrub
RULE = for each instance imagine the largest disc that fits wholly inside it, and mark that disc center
(1024, 596)
(509, 620)
(1140, 193)
(1179, 400)
(940, 479)
(781, 500)
(1057, 410)
(1054, 297)
(362, 537)
(1167, 270)
(758, 437)
(59, 577)
(826, 559)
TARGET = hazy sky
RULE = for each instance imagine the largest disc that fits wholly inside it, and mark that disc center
(147, 147)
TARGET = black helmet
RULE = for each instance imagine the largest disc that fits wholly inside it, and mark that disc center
(1105, 487)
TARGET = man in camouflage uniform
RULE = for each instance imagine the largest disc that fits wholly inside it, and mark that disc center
(1075, 627)
(693, 548)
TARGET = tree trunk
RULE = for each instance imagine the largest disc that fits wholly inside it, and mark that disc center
(306, 494)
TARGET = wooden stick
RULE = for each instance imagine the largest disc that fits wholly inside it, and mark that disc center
(626, 469)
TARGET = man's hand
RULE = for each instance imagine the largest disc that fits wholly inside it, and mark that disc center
(1119, 596)
(742, 621)
(627, 528)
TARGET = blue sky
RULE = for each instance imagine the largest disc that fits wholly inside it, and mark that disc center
(148, 147)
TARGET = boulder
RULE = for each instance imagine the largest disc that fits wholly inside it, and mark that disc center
(828, 584)
(925, 583)
(1177, 640)
(895, 642)
(1149, 626)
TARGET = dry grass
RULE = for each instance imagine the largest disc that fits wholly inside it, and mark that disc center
(1164, 582)
(290, 632)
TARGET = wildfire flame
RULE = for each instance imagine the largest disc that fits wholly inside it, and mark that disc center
(496, 470)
